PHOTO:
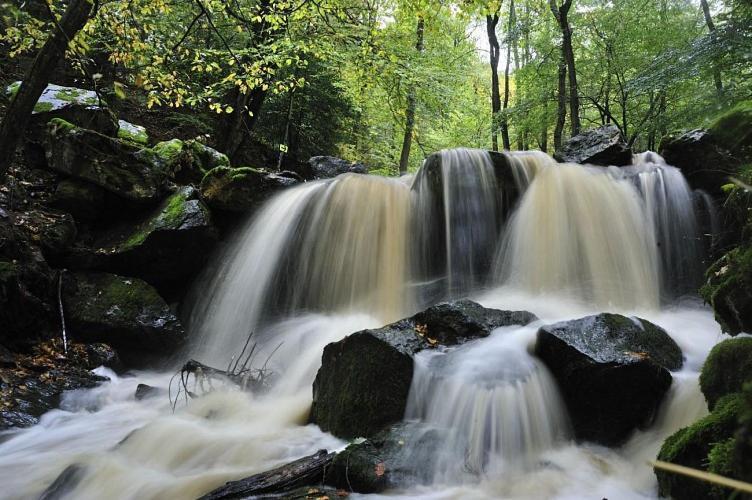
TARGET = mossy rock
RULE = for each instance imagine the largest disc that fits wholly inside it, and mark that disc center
(167, 247)
(125, 313)
(54, 232)
(241, 189)
(364, 379)
(732, 129)
(613, 372)
(134, 133)
(114, 165)
(702, 445)
(728, 289)
(727, 368)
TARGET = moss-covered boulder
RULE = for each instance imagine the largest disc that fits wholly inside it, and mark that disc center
(115, 165)
(728, 289)
(708, 156)
(598, 146)
(125, 313)
(727, 368)
(613, 372)
(241, 189)
(707, 444)
(131, 132)
(168, 246)
(186, 161)
(364, 379)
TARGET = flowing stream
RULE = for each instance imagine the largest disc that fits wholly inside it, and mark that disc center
(514, 231)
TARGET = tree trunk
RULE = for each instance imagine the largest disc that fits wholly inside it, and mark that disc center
(711, 29)
(505, 105)
(235, 127)
(561, 111)
(411, 105)
(561, 12)
(37, 77)
(493, 42)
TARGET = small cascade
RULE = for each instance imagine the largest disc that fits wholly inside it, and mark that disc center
(581, 232)
(495, 407)
(327, 246)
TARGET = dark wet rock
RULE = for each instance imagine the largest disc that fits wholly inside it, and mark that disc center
(728, 289)
(86, 202)
(36, 381)
(131, 132)
(144, 391)
(302, 472)
(705, 445)
(241, 189)
(613, 372)
(397, 455)
(186, 161)
(599, 146)
(65, 483)
(120, 167)
(315, 492)
(727, 368)
(168, 246)
(53, 232)
(326, 167)
(125, 313)
(364, 379)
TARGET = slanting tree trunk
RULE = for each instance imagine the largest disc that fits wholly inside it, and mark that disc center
(505, 104)
(411, 105)
(561, 109)
(711, 28)
(37, 77)
(560, 13)
(493, 43)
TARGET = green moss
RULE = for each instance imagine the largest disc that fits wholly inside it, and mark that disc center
(727, 368)
(171, 214)
(42, 107)
(133, 133)
(733, 128)
(168, 150)
(728, 289)
(70, 94)
(60, 125)
(12, 89)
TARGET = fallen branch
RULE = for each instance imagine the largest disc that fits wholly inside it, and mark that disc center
(703, 476)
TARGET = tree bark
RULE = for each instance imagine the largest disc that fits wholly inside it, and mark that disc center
(493, 43)
(37, 77)
(561, 110)
(411, 105)
(505, 105)
(711, 28)
(561, 13)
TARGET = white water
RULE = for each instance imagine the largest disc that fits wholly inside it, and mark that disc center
(329, 258)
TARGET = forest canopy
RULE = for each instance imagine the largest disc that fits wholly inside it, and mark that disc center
(387, 82)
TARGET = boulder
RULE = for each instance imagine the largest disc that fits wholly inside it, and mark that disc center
(131, 132)
(241, 189)
(86, 202)
(115, 165)
(600, 146)
(613, 372)
(144, 391)
(728, 289)
(35, 382)
(326, 167)
(78, 106)
(400, 453)
(727, 368)
(125, 313)
(364, 379)
(167, 247)
(186, 161)
(705, 445)
(53, 232)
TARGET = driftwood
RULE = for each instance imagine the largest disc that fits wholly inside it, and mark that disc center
(310, 470)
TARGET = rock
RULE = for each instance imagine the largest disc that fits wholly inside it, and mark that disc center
(705, 446)
(134, 133)
(613, 372)
(304, 471)
(599, 146)
(167, 247)
(53, 232)
(728, 289)
(125, 313)
(727, 368)
(36, 382)
(86, 202)
(704, 162)
(326, 167)
(386, 459)
(115, 165)
(241, 189)
(364, 379)
(6, 357)
(78, 106)
(144, 391)
(187, 161)
(65, 483)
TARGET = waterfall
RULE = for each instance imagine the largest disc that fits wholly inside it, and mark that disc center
(495, 407)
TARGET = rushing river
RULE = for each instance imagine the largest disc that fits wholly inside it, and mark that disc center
(333, 257)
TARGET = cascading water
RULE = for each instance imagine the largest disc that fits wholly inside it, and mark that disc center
(327, 258)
